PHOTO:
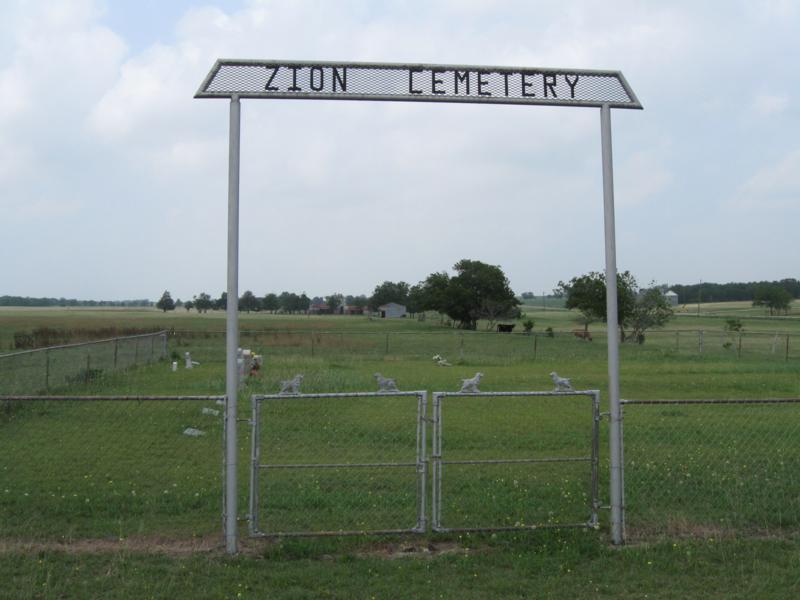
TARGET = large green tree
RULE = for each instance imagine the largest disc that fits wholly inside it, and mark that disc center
(637, 310)
(203, 302)
(249, 302)
(650, 310)
(270, 303)
(166, 302)
(774, 297)
(430, 294)
(334, 301)
(389, 291)
(477, 291)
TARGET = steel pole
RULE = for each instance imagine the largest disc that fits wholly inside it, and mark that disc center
(614, 431)
(232, 332)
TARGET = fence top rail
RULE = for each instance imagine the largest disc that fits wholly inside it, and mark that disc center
(454, 331)
(260, 397)
(110, 398)
(79, 344)
(590, 393)
(741, 401)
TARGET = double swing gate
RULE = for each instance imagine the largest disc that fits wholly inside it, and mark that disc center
(361, 463)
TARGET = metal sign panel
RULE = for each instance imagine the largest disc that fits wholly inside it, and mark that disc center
(416, 83)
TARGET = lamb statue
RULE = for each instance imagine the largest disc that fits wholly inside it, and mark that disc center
(470, 386)
(385, 384)
(441, 361)
(291, 386)
(562, 384)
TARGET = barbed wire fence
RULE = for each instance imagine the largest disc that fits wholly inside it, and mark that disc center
(711, 467)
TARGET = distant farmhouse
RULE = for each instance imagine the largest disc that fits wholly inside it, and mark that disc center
(319, 308)
(392, 310)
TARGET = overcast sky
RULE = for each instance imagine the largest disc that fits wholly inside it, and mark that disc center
(113, 179)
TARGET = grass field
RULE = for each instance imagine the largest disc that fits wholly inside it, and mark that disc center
(110, 499)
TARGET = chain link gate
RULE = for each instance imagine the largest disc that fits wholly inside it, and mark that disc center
(498, 466)
(338, 464)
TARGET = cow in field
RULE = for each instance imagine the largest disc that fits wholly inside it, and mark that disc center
(582, 334)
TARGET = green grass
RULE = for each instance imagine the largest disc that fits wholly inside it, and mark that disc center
(548, 565)
(72, 472)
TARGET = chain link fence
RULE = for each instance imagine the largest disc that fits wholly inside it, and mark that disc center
(110, 467)
(709, 467)
(515, 460)
(48, 370)
(339, 464)
(456, 346)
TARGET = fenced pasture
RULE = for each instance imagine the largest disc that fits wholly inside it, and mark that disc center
(71, 467)
(706, 467)
(100, 467)
(48, 370)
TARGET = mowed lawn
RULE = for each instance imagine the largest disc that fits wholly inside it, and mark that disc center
(113, 500)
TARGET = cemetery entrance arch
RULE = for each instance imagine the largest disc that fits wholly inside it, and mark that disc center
(270, 79)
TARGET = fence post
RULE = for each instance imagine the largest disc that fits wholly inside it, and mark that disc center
(739, 347)
(135, 351)
(535, 344)
(700, 340)
(677, 341)
(787, 348)
(116, 348)
(461, 347)
(152, 347)
(164, 345)
(47, 370)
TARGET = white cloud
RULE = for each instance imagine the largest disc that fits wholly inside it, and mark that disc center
(772, 187)
(81, 117)
(643, 176)
(770, 104)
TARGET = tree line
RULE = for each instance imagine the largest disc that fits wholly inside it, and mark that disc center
(728, 292)
(476, 291)
(43, 302)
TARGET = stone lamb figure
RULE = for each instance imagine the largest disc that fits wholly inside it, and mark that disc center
(470, 386)
(291, 386)
(562, 384)
(441, 361)
(386, 384)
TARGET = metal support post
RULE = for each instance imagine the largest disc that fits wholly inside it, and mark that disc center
(615, 421)
(232, 332)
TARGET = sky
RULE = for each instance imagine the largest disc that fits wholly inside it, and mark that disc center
(113, 178)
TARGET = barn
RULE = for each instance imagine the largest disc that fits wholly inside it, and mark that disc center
(392, 310)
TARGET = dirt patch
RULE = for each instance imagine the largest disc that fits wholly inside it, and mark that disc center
(414, 550)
